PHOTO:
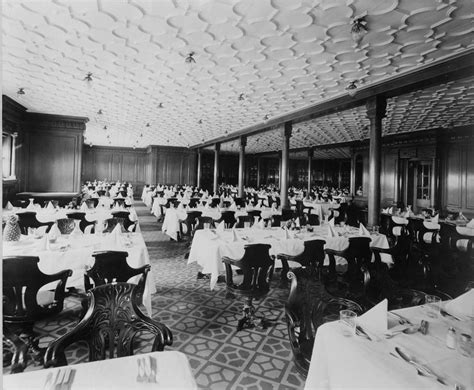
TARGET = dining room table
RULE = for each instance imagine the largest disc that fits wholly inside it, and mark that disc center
(74, 251)
(153, 370)
(209, 246)
(397, 358)
(52, 214)
(173, 216)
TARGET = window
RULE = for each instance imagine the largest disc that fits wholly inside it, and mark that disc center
(8, 156)
(423, 183)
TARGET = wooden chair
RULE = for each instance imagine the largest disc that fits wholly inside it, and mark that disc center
(80, 216)
(66, 225)
(112, 222)
(243, 219)
(202, 221)
(312, 258)
(357, 277)
(112, 266)
(15, 351)
(110, 326)
(24, 302)
(28, 219)
(125, 215)
(190, 222)
(276, 220)
(313, 219)
(228, 217)
(256, 267)
(287, 214)
(309, 306)
(254, 213)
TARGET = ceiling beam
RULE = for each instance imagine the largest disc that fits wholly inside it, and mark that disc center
(454, 68)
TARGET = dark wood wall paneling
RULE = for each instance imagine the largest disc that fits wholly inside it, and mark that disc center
(109, 163)
(13, 116)
(453, 148)
(53, 152)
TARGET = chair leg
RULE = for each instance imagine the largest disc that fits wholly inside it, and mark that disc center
(248, 316)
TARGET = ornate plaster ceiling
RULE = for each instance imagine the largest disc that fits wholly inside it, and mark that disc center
(278, 55)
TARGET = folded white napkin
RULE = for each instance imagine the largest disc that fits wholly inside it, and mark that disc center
(462, 305)
(385, 211)
(54, 232)
(297, 222)
(390, 210)
(287, 234)
(331, 222)
(363, 231)
(235, 237)
(9, 206)
(375, 319)
(261, 224)
(77, 231)
(84, 207)
(470, 224)
(221, 227)
(406, 214)
(233, 207)
(331, 232)
(50, 206)
(116, 235)
(435, 218)
(180, 207)
(31, 206)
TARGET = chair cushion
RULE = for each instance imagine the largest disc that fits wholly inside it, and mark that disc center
(45, 297)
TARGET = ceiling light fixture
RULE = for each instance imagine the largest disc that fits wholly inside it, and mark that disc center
(265, 118)
(160, 105)
(241, 97)
(200, 121)
(105, 127)
(99, 112)
(352, 88)
(359, 29)
(190, 58)
(148, 125)
(21, 91)
(88, 78)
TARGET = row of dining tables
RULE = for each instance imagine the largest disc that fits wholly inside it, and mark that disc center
(210, 245)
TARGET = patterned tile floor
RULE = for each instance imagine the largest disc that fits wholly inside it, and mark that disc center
(202, 322)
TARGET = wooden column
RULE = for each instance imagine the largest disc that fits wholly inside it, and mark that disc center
(285, 154)
(258, 172)
(310, 163)
(217, 149)
(198, 177)
(353, 189)
(279, 169)
(375, 112)
(243, 143)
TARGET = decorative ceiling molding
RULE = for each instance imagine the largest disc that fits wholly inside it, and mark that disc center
(284, 56)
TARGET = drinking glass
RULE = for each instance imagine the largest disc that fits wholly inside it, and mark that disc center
(433, 304)
(348, 320)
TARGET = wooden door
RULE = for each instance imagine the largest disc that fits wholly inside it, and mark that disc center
(422, 176)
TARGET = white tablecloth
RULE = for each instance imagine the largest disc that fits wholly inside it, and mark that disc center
(208, 247)
(173, 372)
(173, 215)
(340, 362)
(92, 214)
(76, 254)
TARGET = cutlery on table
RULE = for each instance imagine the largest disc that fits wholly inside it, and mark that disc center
(402, 320)
(406, 330)
(421, 369)
(444, 313)
(63, 379)
(362, 332)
